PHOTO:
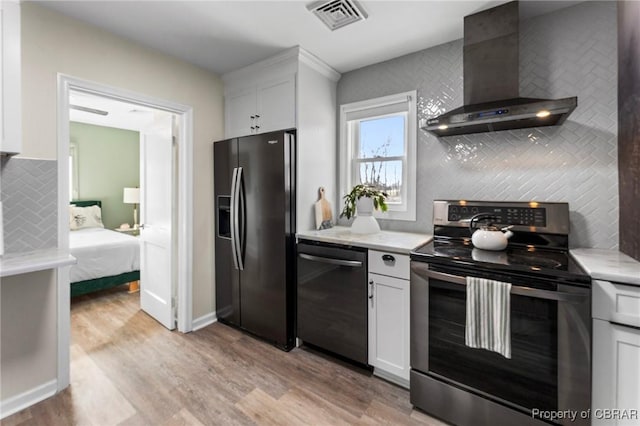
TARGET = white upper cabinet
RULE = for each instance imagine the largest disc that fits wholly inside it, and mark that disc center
(276, 105)
(264, 107)
(260, 99)
(293, 89)
(10, 108)
(239, 114)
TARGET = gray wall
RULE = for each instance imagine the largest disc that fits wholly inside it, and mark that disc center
(572, 52)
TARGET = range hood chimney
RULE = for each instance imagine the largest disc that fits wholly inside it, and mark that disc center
(491, 81)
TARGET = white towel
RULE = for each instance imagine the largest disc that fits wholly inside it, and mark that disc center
(488, 315)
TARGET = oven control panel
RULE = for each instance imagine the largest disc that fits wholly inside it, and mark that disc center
(524, 216)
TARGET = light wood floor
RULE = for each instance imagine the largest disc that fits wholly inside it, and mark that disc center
(126, 369)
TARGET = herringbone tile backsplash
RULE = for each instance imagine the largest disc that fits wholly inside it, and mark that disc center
(572, 52)
(29, 201)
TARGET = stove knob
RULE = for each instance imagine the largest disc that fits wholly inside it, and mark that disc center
(474, 210)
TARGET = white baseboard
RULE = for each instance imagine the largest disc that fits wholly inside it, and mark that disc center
(204, 321)
(391, 378)
(28, 398)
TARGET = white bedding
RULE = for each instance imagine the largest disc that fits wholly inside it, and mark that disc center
(102, 253)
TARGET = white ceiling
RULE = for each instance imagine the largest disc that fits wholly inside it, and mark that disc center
(226, 35)
(223, 36)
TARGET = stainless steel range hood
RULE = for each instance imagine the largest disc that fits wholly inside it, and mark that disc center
(491, 81)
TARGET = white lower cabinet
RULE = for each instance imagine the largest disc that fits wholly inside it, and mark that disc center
(616, 378)
(616, 354)
(389, 318)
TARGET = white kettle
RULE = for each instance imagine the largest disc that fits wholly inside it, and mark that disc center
(489, 237)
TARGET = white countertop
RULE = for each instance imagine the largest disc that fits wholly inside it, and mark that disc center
(23, 263)
(609, 265)
(396, 242)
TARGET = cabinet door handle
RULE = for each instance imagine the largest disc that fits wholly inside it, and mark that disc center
(257, 116)
(388, 258)
(257, 127)
(371, 287)
(253, 117)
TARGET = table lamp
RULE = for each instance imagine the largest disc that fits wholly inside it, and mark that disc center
(132, 196)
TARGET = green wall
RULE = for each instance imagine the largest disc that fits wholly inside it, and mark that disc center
(108, 161)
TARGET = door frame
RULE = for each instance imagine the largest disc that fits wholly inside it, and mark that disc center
(184, 273)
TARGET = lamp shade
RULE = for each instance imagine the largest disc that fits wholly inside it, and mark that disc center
(131, 196)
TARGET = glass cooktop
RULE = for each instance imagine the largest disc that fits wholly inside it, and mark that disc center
(523, 259)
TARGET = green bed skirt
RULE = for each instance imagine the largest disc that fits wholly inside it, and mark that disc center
(89, 286)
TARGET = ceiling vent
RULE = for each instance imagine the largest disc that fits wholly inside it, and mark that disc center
(338, 13)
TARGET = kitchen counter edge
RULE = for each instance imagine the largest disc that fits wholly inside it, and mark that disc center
(391, 241)
(34, 261)
(608, 265)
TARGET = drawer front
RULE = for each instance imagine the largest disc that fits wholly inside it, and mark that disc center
(616, 302)
(390, 264)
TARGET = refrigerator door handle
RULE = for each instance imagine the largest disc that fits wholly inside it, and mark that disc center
(239, 194)
(234, 217)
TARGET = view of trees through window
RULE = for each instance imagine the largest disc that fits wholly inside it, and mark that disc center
(380, 158)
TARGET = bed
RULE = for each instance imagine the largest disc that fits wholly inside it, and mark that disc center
(105, 258)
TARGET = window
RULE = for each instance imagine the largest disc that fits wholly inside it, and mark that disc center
(378, 148)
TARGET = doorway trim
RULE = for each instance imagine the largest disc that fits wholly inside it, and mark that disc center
(184, 210)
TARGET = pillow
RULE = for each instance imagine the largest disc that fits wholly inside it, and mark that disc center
(85, 217)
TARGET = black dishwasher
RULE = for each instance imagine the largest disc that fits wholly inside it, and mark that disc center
(332, 298)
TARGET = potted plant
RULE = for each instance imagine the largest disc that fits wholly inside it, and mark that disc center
(361, 202)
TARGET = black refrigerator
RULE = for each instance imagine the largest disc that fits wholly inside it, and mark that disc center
(254, 185)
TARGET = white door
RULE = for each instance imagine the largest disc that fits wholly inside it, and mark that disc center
(156, 194)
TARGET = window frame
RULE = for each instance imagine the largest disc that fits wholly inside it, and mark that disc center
(405, 211)
(73, 172)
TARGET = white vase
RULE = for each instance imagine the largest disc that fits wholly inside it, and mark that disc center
(364, 222)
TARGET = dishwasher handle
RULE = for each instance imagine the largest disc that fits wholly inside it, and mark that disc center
(331, 260)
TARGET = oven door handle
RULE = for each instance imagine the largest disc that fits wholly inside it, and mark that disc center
(536, 293)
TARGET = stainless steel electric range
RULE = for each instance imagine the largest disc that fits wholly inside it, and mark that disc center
(548, 377)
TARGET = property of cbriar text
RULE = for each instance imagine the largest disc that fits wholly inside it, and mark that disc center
(596, 413)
